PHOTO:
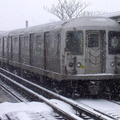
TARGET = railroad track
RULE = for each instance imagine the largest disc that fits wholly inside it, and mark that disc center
(12, 93)
(109, 107)
(82, 111)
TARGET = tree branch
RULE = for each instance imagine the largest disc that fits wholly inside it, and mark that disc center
(68, 9)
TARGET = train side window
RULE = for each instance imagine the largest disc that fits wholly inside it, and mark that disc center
(39, 45)
(114, 42)
(93, 40)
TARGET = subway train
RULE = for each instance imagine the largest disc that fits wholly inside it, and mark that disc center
(80, 56)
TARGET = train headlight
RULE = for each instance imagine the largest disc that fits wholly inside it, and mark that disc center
(112, 64)
(78, 64)
(71, 64)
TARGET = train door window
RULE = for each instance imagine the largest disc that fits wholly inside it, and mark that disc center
(39, 45)
(0, 44)
(74, 42)
(47, 43)
(1, 47)
(21, 41)
(58, 44)
(5, 44)
(10, 43)
(15, 43)
(32, 39)
(93, 40)
(55, 43)
(26, 43)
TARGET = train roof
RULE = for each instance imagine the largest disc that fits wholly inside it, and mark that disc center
(43, 27)
(81, 21)
(4, 33)
(92, 21)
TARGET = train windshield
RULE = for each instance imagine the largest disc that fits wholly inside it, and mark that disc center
(114, 42)
(74, 42)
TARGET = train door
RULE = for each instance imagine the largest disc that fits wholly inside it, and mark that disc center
(5, 46)
(95, 52)
(32, 39)
(46, 50)
(25, 49)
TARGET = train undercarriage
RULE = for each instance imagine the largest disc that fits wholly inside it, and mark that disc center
(109, 89)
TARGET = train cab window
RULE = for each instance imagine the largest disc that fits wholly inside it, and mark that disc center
(93, 40)
(114, 42)
(74, 42)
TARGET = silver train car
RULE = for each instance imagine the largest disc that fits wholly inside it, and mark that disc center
(80, 56)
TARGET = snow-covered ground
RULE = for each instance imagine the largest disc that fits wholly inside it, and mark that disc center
(31, 106)
(23, 111)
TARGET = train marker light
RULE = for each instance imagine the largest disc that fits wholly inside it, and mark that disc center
(112, 64)
(78, 64)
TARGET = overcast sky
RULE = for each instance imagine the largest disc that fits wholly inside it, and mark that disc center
(14, 13)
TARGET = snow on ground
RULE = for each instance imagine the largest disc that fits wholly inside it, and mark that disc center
(23, 110)
(31, 106)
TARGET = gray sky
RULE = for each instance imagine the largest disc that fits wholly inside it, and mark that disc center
(14, 13)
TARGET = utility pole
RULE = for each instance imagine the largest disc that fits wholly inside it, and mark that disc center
(26, 23)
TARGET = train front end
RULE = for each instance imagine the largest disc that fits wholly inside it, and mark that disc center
(91, 55)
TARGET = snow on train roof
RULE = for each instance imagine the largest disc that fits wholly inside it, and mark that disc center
(43, 27)
(4, 33)
(81, 21)
(92, 21)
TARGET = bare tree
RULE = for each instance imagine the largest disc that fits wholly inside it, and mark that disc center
(68, 10)
(92, 13)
